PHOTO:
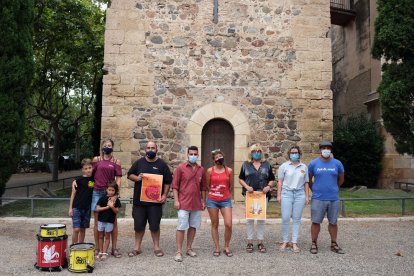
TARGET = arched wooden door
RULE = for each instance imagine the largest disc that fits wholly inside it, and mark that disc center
(217, 134)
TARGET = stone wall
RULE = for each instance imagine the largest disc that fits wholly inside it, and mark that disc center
(265, 67)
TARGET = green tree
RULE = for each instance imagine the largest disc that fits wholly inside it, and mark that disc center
(394, 41)
(68, 39)
(360, 148)
(16, 71)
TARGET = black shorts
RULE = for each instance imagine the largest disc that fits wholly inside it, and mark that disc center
(144, 213)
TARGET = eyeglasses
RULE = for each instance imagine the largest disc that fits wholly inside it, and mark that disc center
(215, 151)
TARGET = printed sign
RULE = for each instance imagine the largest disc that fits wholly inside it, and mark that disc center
(256, 205)
(151, 187)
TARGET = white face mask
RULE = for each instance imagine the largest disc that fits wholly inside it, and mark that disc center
(326, 153)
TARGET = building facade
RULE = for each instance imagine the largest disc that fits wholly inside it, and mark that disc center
(356, 77)
(217, 74)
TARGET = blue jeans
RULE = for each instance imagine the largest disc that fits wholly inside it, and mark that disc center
(292, 204)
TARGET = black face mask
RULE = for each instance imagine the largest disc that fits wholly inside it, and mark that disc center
(220, 161)
(151, 154)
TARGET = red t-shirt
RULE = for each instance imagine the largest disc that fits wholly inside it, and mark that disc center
(105, 172)
(189, 183)
(219, 185)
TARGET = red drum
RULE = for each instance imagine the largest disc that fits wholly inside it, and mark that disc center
(51, 253)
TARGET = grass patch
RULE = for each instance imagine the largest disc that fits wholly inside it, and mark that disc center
(43, 208)
(377, 207)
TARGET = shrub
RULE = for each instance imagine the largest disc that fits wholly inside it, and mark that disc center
(360, 148)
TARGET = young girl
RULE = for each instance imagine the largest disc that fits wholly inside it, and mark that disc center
(107, 208)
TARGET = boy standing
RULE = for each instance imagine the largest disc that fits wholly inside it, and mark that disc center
(80, 202)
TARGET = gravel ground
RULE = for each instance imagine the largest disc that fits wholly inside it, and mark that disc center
(371, 249)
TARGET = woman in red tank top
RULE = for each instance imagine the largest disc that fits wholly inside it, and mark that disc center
(219, 182)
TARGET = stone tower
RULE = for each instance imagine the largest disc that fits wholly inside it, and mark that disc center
(190, 72)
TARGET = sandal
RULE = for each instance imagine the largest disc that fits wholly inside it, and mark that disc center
(216, 253)
(295, 248)
(99, 255)
(158, 253)
(115, 252)
(314, 248)
(284, 246)
(191, 253)
(104, 256)
(178, 257)
(335, 248)
(134, 253)
(97, 252)
(249, 248)
(228, 253)
(262, 248)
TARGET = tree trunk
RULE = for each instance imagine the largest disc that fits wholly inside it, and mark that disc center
(56, 152)
(77, 142)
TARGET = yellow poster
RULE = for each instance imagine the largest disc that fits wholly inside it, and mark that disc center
(151, 187)
(256, 205)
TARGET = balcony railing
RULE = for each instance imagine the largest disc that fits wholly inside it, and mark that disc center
(342, 12)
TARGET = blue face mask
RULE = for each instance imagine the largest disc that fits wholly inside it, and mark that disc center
(256, 156)
(151, 154)
(192, 159)
(294, 156)
(107, 150)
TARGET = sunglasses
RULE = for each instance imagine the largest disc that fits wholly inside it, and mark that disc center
(215, 151)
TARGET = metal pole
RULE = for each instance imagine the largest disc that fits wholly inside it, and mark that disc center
(32, 207)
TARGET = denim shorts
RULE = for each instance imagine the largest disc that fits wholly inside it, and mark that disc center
(321, 207)
(96, 195)
(105, 227)
(188, 219)
(218, 204)
(81, 218)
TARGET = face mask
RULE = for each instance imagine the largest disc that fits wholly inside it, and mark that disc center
(151, 154)
(220, 161)
(192, 159)
(294, 156)
(107, 150)
(326, 153)
(256, 156)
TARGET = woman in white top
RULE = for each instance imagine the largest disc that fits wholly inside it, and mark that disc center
(292, 194)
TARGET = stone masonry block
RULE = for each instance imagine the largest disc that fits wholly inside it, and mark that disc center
(312, 94)
(114, 37)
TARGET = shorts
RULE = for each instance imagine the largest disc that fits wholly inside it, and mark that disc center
(188, 219)
(218, 204)
(81, 218)
(96, 195)
(144, 213)
(321, 207)
(106, 227)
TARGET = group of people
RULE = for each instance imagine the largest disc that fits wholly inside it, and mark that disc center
(196, 189)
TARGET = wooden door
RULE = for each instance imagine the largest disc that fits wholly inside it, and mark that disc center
(217, 134)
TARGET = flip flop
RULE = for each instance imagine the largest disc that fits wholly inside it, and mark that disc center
(228, 253)
(134, 253)
(249, 248)
(158, 253)
(115, 252)
(191, 253)
(216, 253)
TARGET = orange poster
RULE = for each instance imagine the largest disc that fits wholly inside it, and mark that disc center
(151, 187)
(256, 205)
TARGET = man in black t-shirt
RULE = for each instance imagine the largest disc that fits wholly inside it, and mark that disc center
(144, 212)
(80, 202)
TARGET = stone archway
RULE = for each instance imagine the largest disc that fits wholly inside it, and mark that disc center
(241, 128)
